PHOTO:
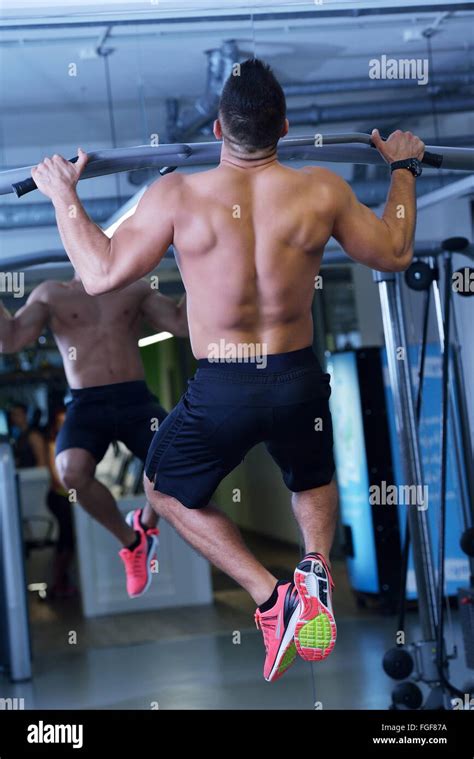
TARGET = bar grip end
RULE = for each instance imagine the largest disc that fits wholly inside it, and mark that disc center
(23, 187)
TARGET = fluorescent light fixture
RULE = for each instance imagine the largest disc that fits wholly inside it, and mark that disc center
(124, 212)
(154, 339)
(129, 212)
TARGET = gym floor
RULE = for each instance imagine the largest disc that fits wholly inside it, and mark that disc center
(187, 658)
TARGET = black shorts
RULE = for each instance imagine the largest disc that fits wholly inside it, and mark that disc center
(230, 407)
(97, 416)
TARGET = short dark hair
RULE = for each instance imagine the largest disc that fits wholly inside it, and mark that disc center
(252, 108)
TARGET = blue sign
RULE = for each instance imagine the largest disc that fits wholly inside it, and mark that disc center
(351, 467)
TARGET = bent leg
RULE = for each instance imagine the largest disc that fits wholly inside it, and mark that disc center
(213, 534)
(149, 516)
(316, 513)
(137, 426)
(76, 468)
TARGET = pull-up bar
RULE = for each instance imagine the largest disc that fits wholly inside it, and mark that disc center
(350, 147)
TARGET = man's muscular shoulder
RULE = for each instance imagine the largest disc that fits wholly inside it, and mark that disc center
(44, 292)
(327, 184)
(322, 176)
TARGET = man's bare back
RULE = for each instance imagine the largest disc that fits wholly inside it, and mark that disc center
(97, 337)
(253, 238)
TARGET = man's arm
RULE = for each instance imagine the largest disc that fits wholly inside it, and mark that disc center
(165, 314)
(27, 324)
(137, 245)
(386, 243)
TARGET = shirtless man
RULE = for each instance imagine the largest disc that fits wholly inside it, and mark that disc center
(98, 342)
(249, 237)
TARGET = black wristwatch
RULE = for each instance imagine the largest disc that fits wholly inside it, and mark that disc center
(412, 164)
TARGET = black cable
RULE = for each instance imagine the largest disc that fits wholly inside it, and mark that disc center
(440, 662)
(419, 398)
(424, 344)
(313, 678)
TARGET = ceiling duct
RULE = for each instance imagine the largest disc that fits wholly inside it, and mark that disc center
(184, 125)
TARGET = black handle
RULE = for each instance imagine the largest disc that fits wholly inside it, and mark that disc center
(28, 185)
(167, 170)
(432, 159)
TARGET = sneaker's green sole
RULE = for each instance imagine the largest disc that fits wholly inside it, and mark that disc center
(287, 659)
(316, 633)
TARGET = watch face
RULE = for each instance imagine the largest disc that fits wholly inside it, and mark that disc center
(415, 167)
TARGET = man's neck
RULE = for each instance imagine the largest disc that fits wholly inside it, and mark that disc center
(232, 156)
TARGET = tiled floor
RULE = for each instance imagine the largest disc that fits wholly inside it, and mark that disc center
(190, 658)
(212, 672)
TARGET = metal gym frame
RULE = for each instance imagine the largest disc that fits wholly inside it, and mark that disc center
(15, 650)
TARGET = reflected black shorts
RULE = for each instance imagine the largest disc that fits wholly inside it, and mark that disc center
(230, 407)
(96, 416)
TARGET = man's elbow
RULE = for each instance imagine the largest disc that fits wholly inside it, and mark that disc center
(92, 288)
(394, 260)
(97, 286)
(402, 261)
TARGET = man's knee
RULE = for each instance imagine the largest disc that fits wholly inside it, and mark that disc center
(75, 474)
(327, 492)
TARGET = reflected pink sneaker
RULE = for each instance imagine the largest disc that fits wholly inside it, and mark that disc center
(278, 627)
(138, 563)
(315, 634)
(133, 519)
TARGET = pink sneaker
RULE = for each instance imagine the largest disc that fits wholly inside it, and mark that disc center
(138, 563)
(278, 627)
(315, 634)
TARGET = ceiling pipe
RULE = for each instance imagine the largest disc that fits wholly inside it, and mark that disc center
(451, 79)
(388, 109)
(24, 215)
(347, 13)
